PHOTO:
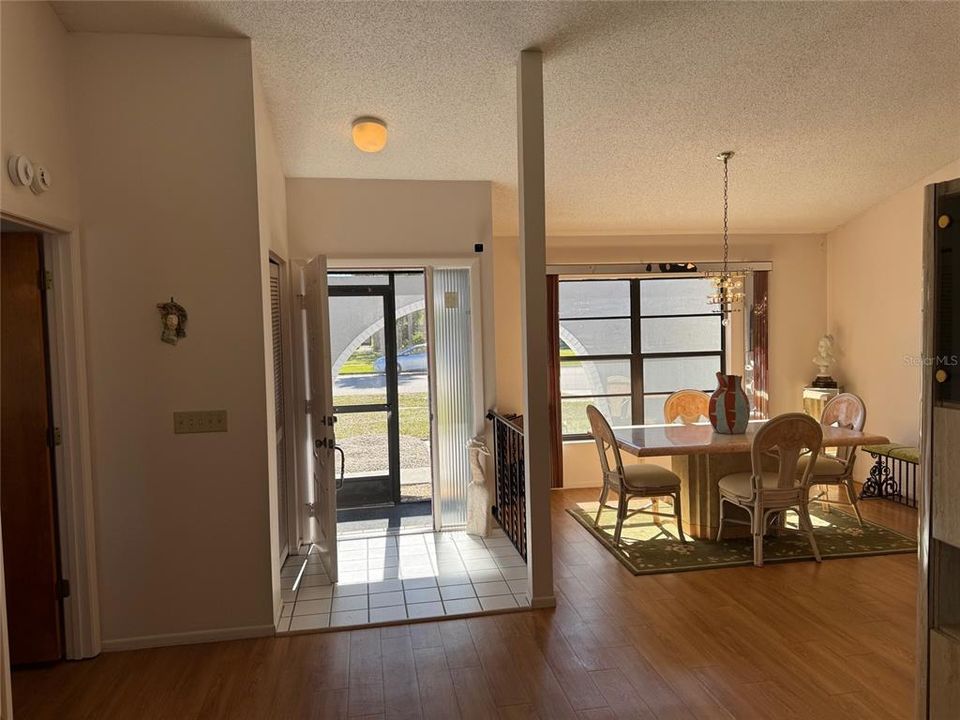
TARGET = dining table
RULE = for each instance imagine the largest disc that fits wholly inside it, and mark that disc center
(701, 456)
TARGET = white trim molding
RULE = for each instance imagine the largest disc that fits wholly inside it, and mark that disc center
(189, 638)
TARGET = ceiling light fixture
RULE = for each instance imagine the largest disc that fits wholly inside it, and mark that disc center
(728, 286)
(369, 134)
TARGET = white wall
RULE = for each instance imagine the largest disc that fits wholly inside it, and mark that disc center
(166, 146)
(875, 305)
(36, 118)
(798, 309)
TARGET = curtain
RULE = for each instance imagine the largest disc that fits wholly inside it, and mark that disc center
(759, 312)
(553, 376)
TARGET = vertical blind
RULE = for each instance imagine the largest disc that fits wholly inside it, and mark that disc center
(453, 351)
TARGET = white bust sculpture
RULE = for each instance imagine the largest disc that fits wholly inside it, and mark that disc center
(825, 357)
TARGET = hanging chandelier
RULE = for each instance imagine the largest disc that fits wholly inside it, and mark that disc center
(727, 296)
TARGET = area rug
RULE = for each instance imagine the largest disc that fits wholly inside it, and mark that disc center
(647, 548)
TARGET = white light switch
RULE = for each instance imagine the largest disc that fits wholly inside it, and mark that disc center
(199, 421)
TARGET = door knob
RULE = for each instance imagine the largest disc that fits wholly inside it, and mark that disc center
(941, 375)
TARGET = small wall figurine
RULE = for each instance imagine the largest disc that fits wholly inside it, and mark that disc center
(824, 359)
(174, 319)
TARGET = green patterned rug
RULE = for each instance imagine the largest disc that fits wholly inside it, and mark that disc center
(647, 548)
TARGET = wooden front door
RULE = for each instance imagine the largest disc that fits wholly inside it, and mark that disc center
(27, 497)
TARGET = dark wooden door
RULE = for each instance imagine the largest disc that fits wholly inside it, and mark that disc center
(27, 497)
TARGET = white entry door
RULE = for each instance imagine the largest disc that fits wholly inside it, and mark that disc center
(320, 426)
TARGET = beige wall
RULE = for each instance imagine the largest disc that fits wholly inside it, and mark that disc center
(798, 309)
(272, 209)
(35, 118)
(166, 146)
(875, 299)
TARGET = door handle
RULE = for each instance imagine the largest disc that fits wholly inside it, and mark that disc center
(941, 375)
(343, 462)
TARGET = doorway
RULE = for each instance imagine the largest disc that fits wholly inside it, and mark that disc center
(28, 499)
(381, 400)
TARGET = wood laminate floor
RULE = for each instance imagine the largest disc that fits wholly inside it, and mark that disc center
(794, 640)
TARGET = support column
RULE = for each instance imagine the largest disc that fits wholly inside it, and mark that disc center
(533, 310)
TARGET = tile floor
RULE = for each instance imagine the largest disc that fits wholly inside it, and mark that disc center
(399, 577)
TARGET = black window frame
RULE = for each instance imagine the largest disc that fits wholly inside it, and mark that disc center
(636, 356)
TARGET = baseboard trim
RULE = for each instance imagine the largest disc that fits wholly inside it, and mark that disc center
(188, 638)
(546, 601)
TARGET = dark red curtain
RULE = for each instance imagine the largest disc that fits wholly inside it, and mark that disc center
(759, 312)
(553, 374)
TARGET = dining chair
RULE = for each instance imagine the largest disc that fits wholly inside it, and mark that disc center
(687, 405)
(845, 410)
(763, 493)
(630, 481)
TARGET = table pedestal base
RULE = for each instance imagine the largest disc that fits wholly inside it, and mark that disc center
(700, 497)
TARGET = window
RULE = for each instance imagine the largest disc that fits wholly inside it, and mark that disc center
(625, 345)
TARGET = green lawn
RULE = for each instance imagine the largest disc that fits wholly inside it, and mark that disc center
(360, 363)
(414, 417)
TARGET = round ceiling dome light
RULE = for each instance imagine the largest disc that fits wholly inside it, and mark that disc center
(369, 134)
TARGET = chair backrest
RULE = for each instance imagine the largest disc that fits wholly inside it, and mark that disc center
(606, 446)
(789, 434)
(845, 410)
(687, 405)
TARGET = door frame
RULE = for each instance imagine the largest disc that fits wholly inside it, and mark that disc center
(426, 264)
(71, 413)
(288, 305)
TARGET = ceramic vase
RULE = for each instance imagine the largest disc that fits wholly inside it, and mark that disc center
(729, 406)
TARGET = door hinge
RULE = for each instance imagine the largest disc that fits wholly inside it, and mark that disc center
(46, 280)
(54, 437)
(311, 509)
(63, 588)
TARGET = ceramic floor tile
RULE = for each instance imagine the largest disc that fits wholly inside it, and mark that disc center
(514, 573)
(340, 590)
(352, 578)
(517, 586)
(498, 602)
(497, 541)
(424, 610)
(288, 595)
(286, 610)
(309, 622)
(313, 580)
(480, 564)
(284, 625)
(453, 579)
(481, 576)
(480, 553)
(422, 595)
(314, 569)
(509, 561)
(386, 599)
(503, 550)
(350, 617)
(457, 592)
(349, 602)
(419, 582)
(316, 592)
(461, 606)
(383, 586)
(522, 599)
(491, 588)
(388, 614)
(311, 607)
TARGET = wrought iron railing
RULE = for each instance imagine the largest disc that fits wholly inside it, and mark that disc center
(893, 475)
(510, 509)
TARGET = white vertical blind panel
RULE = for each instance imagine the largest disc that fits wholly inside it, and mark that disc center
(454, 368)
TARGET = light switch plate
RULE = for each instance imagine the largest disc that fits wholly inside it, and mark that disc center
(199, 421)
